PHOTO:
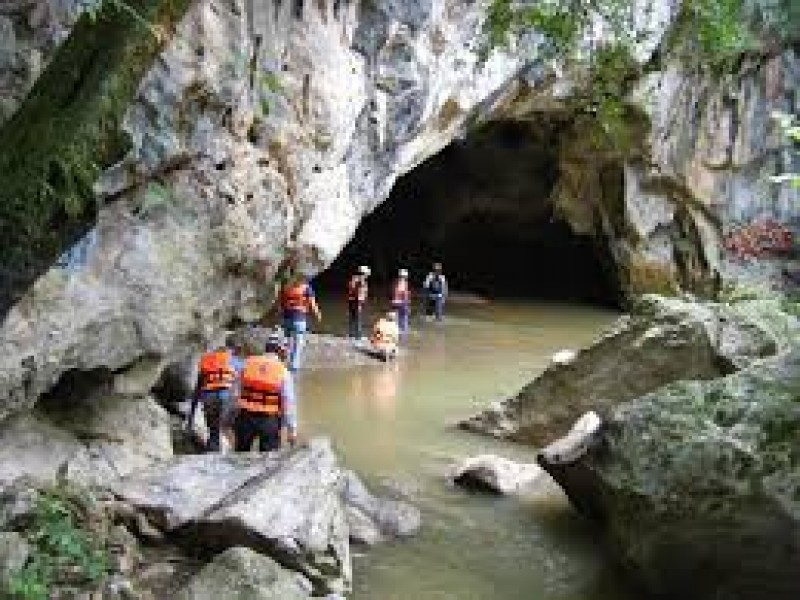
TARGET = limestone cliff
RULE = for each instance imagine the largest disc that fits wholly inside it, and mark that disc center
(268, 129)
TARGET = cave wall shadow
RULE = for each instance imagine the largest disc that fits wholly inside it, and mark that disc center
(482, 207)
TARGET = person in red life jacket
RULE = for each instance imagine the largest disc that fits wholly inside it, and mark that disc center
(217, 376)
(297, 300)
(357, 293)
(267, 406)
(401, 300)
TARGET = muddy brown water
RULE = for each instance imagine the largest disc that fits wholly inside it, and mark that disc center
(390, 423)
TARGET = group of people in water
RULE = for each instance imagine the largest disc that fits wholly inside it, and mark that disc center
(249, 399)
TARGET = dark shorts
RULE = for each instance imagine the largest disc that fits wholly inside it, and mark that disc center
(250, 426)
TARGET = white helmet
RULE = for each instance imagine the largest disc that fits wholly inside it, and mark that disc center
(403, 273)
(364, 270)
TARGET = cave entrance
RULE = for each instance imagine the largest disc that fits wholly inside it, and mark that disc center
(483, 208)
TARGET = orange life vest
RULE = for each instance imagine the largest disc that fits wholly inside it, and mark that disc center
(356, 289)
(400, 295)
(262, 379)
(294, 297)
(216, 371)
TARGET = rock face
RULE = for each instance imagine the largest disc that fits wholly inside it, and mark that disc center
(495, 474)
(663, 340)
(92, 441)
(696, 485)
(287, 505)
(241, 574)
(266, 131)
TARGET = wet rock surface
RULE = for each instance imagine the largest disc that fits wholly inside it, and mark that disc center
(696, 485)
(663, 340)
(494, 474)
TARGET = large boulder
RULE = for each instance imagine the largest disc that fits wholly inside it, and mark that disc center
(285, 504)
(92, 441)
(697, 485)
(663, 340)
(241, 574)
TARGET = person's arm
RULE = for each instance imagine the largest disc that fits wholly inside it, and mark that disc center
(289, 407)
(427, 281)
(444, 286)
(312, 303)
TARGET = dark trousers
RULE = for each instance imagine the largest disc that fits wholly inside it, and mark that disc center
(252, 426)
(354, 318)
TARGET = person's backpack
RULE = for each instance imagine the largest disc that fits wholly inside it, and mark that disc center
(436, 285)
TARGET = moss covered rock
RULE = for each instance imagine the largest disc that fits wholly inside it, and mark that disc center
(697, 485)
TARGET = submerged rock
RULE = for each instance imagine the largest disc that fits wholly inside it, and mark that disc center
(697, 485)
(241, 574)
(373, 518)
(663, 340)
(495, 474)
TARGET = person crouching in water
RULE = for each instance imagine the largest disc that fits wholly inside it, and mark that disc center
(216, 390)
(401, 300)
(266, 404)
(385, 337)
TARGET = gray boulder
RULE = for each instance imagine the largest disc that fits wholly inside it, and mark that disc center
(287, 504)
(696, 486)
(663, 340)
(91, 441)
(490, 473)
(241, 574)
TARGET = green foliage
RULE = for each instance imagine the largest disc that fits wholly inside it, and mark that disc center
(709, 33)
(61, 546)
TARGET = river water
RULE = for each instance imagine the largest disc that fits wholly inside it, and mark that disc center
(391, 424)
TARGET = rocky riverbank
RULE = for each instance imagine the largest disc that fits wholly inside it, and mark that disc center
(663, 340)
(280, 524)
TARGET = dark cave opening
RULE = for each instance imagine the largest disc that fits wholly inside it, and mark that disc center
(483, 208)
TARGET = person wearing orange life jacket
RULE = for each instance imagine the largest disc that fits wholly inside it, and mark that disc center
(266, 405)
(385, 337)
(401, 300)
(357, 293)
(218, 372)
(297, 300)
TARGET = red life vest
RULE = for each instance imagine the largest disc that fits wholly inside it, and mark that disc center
(295, 297)
(401, 293)
(262, 380)
(357, 289)
(216, 371)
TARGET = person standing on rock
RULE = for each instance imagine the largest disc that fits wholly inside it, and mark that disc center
(357, 293)
(297, 300)
(267, 406)
(435, 286)
(401, 300)
(215, 388)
